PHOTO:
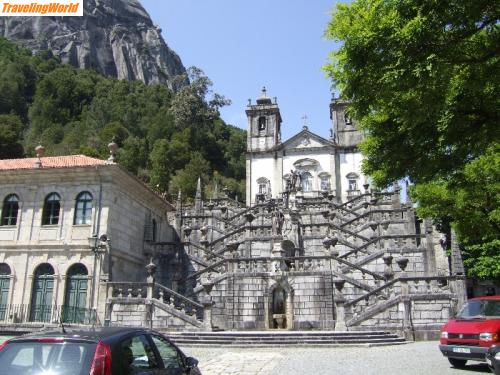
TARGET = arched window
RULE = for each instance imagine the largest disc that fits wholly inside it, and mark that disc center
(306, 181)
(4, 269)
(10, 210)
(51, 209)
(83, 208)
(262, 123)
(155, 229)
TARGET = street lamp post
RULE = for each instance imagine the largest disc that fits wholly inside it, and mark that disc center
(98, 246)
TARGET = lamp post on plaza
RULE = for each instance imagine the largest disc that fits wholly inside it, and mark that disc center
(98, 246)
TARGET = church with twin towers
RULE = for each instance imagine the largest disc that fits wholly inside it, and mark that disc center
(317, 164)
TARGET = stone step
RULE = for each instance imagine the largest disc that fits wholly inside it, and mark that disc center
(277, 333)
(300, 345)
(291, 338)
(286, 342)
(283, 338)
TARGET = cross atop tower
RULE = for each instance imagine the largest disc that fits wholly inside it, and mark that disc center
(305, 118)
(264, 91)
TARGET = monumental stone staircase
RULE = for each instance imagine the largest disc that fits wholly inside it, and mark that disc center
(355, 267)
(285, 339)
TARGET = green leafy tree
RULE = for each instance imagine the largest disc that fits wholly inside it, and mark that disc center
(191, 106)
(10, 134)
(161, 170)
(75, 111)
(422, 76)
(134, 154)
(186, 179)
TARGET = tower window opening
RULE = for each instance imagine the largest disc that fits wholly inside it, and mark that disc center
(262, 123)
(347, 119)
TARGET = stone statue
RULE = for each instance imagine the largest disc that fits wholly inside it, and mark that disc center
(278, 220)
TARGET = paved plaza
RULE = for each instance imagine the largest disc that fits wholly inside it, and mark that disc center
(419, 358)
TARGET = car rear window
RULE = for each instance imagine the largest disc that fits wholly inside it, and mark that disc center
(44, 358)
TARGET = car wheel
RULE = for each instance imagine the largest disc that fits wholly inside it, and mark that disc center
(459, 363)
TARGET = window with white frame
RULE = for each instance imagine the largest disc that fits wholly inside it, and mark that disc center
(324, 182)
(264, 186)
(51, 209)
(10, 209)
(306, 181)
(83, 208)
(352, 181)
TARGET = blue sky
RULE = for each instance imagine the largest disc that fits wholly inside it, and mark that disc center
(243, 45)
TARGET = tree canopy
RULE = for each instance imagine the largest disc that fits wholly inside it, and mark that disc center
(72, 111)
(422, 77)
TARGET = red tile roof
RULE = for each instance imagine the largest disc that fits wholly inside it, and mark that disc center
(51, 162)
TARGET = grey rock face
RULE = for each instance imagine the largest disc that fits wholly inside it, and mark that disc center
(115, 37)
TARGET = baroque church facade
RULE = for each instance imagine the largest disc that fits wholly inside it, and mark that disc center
(316, 163)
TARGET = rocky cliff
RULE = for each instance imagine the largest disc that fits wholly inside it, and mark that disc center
(115, 37)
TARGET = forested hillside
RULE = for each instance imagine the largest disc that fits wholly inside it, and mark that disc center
(167, 139)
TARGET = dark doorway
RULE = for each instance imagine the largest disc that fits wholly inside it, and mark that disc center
(75, 299)
(41, 297)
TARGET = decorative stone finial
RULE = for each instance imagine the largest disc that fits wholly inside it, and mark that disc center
(151, 267)
(40, 151)
(197, 199)
(113, 147)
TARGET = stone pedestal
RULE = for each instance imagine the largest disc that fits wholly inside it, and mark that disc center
(339, 299)
(340, 309)
(207, 303)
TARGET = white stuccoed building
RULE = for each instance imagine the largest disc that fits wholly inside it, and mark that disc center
(320, 164)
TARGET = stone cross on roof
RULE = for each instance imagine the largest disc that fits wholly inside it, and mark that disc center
(305, 118)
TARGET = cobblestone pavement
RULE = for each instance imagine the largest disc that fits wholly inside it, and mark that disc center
(419, 358)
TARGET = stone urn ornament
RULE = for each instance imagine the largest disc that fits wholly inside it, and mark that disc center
(151, 268)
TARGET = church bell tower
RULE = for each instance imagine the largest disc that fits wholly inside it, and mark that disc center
(263, 163)
(264, 124)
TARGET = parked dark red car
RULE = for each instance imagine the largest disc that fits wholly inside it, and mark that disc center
(104, 351)
(472, 332)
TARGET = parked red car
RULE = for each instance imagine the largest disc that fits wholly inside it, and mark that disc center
(469, 335)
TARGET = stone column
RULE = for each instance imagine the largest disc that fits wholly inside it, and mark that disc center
(248, 234)
(207, 303)
(405, 305)
(149, 308)
(289, 310)
(151, 269)
(340, 323)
